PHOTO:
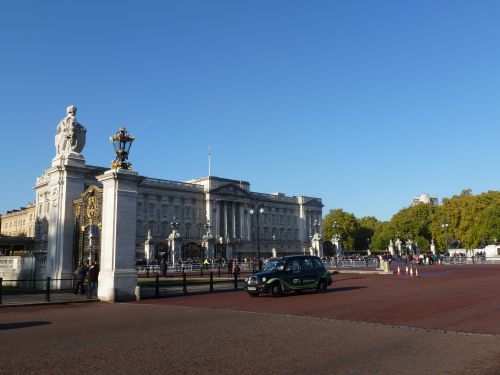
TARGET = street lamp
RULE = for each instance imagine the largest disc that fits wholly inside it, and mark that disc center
(256, 210)
(336, 237)
(122, 141)
(274, 246)
(445, 226)
(368, 251)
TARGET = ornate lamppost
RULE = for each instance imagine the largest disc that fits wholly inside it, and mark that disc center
(175, 240)
(316, 239)
(207, 240)
(122, 141)
(445, 226)
(257, 209)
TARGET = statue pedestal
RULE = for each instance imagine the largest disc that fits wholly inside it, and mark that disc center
(209, 248)
(66, 183)
(71, 158)
(175, 249)
(118, 277)
(149, 251)
(317, 245)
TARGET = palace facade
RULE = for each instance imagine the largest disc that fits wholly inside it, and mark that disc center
(285, 225)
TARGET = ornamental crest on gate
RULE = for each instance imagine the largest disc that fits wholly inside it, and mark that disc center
(88, 209)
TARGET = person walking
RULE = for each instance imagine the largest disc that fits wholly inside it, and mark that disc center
(80, 273)
(93, 277)
(236, 268)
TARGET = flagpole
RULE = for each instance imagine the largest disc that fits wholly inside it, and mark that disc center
(209, 161)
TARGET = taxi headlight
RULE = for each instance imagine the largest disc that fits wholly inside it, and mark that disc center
(264, 279)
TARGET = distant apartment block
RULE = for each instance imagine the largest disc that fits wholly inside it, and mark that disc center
(425, 198)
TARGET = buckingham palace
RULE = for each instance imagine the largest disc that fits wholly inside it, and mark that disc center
(223, 211)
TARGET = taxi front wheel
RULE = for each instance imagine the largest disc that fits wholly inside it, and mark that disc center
(322, 286)
(275, 290)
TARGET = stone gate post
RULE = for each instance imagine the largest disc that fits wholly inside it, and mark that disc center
(118, 276)
(66, 183)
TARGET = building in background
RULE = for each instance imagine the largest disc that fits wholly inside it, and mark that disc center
(19, 222)
(426, 198)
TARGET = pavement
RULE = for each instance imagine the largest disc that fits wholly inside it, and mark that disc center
(446, 321)
(58, 297)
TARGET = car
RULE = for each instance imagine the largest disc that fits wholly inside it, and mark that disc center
(291, 273)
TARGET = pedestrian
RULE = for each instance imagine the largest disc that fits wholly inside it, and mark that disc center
(93, 277)
(163, 268)
(236, 268)
(80, 273)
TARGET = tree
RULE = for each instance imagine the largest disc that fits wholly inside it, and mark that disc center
(347, 227)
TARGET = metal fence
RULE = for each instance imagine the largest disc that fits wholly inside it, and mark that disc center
(351, 263)
(189, 282)
(470, 260)
(28, 291)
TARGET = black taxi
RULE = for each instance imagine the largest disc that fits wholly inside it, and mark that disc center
(291, 273)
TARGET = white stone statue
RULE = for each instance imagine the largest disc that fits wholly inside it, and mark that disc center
(70, 135)
(391, 248)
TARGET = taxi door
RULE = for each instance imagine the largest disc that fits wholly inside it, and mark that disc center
(309, 273)
(292, 278)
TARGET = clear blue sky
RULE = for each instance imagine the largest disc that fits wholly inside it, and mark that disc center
(362, 103)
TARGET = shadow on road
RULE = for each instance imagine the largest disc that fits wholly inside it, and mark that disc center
(344, 289)
(19, 325)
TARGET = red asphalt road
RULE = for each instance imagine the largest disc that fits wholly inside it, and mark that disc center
(450, 298)
(219, 333)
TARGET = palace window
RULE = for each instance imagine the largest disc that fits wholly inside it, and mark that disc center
(138, 229)
(164, 229)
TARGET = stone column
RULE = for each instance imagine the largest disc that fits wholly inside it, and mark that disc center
(66, 183)
(118, 277)
(225, 219)
(249, 226)
(216, 221)
(233, 215)
(242, 223)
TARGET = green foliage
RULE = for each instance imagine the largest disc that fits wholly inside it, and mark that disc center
(348, 226)
(471, 219)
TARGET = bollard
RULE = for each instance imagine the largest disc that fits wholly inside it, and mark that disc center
(147, 272)
(137, 293)
(211, 283)
(157, 285)
(184, 283)
(201, 272)
(1, 286)
(47, 289)
(235, 281)
(219, 270)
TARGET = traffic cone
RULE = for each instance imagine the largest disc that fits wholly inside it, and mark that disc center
(407, 270)
(411, 271)
(416, 272)
(399, 271)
